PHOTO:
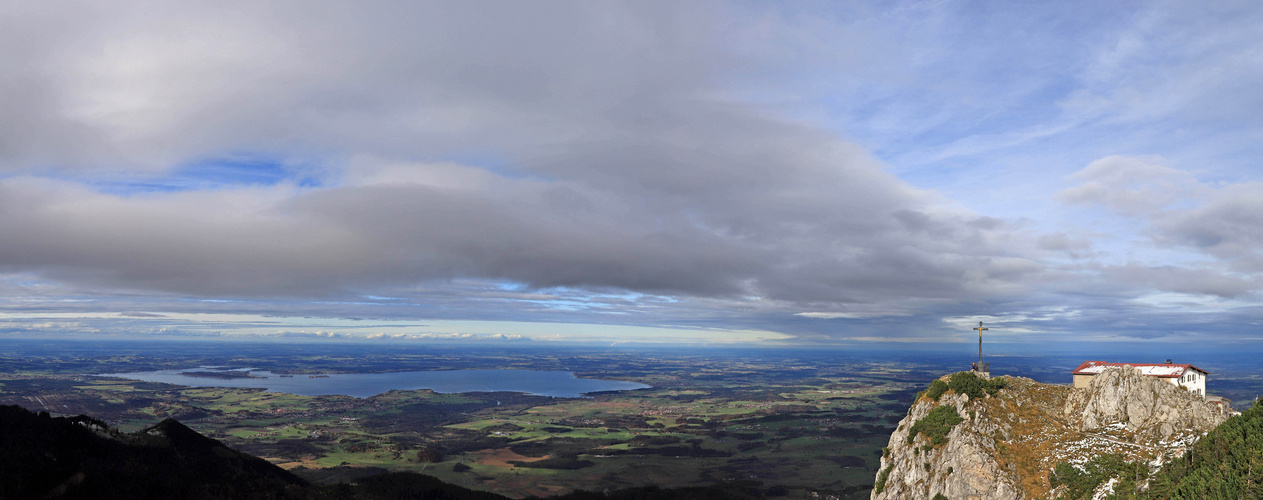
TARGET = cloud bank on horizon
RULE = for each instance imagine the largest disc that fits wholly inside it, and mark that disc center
(827, 172)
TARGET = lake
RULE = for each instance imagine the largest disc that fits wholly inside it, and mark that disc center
(361, 385)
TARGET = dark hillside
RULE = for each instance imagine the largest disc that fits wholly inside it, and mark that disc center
(80, 457)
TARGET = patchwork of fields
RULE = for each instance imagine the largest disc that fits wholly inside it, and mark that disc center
(805, 425)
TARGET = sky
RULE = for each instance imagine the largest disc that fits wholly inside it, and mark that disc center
(726, 173)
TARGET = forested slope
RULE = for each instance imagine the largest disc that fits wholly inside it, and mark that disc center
(1227, 463)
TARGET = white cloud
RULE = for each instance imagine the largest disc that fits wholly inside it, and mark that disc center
(1222, 224)
(1133, 186)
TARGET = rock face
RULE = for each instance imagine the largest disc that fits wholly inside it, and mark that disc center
(1147, 405)
(1006, 445)
(967, 455)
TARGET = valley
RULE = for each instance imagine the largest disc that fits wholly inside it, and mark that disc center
(802, 425)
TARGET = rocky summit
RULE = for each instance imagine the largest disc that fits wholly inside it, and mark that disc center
(972, 438)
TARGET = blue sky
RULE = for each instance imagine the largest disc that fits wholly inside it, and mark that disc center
(717, 173)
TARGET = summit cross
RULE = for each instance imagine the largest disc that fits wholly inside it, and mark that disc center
(980, 330)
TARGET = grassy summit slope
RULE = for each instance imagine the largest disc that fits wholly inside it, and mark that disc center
(1000, 438)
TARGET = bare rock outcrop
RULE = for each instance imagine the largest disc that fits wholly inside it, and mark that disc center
(1147, 406)
(1005, 444)
(964, 467)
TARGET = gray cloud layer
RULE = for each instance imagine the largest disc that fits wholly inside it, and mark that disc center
(598, 146)
(617, 162)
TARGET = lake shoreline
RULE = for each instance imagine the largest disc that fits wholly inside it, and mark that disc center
(562, 384)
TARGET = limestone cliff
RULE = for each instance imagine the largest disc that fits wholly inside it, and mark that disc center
(1003, 445)
(1153, 409)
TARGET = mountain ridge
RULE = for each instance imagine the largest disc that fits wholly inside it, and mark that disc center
(81, 457)
(42, 456)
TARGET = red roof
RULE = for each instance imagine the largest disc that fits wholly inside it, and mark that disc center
(1151, 369)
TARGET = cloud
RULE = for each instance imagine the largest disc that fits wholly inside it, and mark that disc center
(849, 315)
(136, 87)
(311, 335)
(522, 144)
(1061, 242)
(1188, 280)
(1133, 186)
(675, 164)
(1229, 227)
(1221, 223)
(495, 337)
(800, 243)
(1203, 75)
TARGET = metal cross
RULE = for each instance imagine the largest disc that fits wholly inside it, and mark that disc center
(980, 330)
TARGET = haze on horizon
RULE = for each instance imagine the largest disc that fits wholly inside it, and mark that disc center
(716, 172)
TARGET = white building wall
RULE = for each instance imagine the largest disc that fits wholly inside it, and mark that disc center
(1194, 380)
